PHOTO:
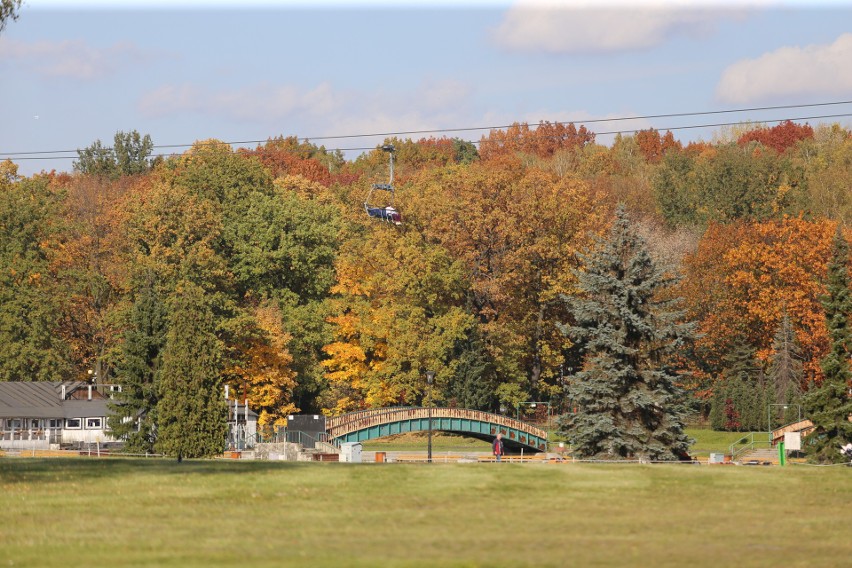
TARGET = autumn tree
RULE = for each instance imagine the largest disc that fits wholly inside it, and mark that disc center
(653, 146)
(288, 156)
(629, 404)
(400, 310)
(779, 137)
(263, 374)
(742, 280)
(92, 271)
(829, 404)
(543, 141)
(515, 231)
(826, 160)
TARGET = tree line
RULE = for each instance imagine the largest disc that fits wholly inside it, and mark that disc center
(258, 268)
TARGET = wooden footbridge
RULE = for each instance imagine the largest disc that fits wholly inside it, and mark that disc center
(380, 422)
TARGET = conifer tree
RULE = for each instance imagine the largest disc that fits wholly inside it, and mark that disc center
(133, 415)
(628, 403)
(785, 370)
(829, 404)
(191, 413)
(472, 383)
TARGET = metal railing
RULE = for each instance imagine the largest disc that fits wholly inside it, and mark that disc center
(750, 442)
(305, 439)
(347, 423)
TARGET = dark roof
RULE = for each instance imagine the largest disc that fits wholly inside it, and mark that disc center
(86, 408)
(31, 400)
(44, 400)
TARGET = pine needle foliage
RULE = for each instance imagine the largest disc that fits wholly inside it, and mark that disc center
(627, 402)
(134, 410)
(191, 413)
(829, 404)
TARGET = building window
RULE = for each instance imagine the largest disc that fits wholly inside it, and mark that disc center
(93, 423)
(16, 423)
(72, 423)
(34, 423)
(56, 423)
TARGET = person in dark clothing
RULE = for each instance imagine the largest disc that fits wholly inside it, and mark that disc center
(497, 446)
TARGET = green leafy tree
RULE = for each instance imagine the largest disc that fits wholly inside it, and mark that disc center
(129, 155)
(466, 152)
(727, 184)
(628, 401)
(31, 300)
(191, 413)
(829, 405)
(134, 411)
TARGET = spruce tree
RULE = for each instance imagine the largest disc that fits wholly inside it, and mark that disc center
(829, 405)
(472, 383)
(134, 410)
(742, 388)
(627, 400)
(191, 414)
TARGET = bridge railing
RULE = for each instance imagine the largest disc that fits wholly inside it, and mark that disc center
(804, 426)
(346, 423)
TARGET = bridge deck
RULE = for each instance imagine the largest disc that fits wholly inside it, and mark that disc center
(368, 424)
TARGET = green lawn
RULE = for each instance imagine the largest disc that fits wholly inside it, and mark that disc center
(706, 442)
(122, 512)
(416, 442)
(710, 441)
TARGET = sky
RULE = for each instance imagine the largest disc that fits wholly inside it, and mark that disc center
(77, 71)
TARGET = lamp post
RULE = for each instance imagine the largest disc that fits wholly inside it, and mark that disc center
(430, 376)
(532, 404)
(785, 407)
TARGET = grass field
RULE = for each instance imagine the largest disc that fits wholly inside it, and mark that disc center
(122, 512)
(706, 441)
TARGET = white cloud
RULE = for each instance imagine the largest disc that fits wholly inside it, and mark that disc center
(72, 59)
(430, 105)
(258, 103)
(809, 70)
(605, 27)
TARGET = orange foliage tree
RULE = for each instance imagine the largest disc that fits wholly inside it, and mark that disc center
(779, 137)
(745, 276)
(516, 231)
(542, 141)
(653, 146)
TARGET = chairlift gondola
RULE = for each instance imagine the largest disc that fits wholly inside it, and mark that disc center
(388, 213)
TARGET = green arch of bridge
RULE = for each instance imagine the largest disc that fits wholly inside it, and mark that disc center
(513, 438)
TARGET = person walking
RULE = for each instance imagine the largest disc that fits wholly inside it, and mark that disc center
(497, 446)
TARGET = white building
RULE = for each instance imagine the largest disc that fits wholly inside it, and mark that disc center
(43, 415)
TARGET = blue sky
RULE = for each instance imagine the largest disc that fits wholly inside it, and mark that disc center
(77, 71)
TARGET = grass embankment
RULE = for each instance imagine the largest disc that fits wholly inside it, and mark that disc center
(121, 512)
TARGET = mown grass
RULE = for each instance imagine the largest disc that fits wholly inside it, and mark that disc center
(710, 441)
(122, 512)
(416, 442)
(706, 442)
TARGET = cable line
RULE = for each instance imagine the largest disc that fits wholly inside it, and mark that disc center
(73, 154)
